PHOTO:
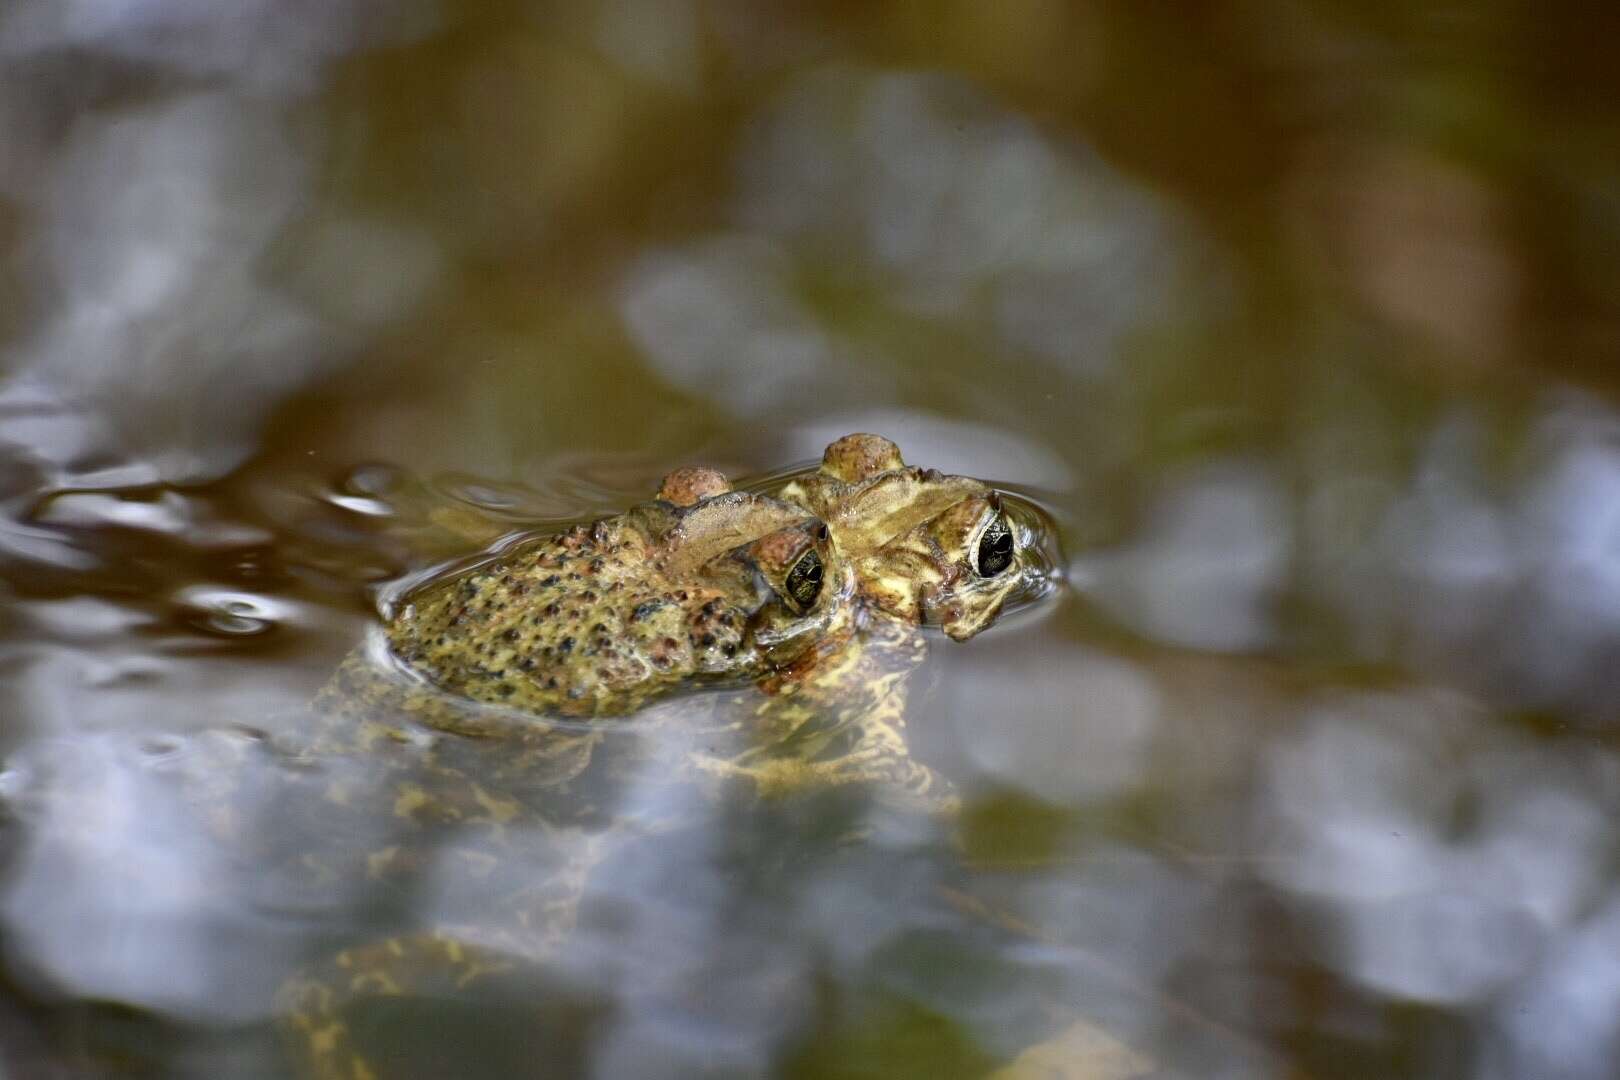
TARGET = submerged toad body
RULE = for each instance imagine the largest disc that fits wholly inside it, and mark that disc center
(814, 593)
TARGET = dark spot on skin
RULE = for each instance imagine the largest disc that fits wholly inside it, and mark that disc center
(589, 597)
(551, 683)
(510, 635)
(645, 609)
(706, 640)
(552, 609)
(730, 650)
(551, 579)
(526, 664)
(595, 566)
(565, 646)
(599, 629)
(573, 577)
(505, 689)
(681, 596)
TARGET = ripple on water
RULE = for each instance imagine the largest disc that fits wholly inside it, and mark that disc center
(558, 499)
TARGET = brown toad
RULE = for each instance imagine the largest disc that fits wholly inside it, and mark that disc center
(924, 547)
(816, 594)
(603, 617)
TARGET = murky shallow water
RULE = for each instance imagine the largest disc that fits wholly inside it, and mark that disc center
(1299, 321)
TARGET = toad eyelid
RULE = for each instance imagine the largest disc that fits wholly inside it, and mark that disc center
(987, 519)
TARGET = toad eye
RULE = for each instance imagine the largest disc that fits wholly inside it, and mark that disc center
(994, 552)
(803, 582)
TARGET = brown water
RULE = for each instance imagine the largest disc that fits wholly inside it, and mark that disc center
(1299, 318)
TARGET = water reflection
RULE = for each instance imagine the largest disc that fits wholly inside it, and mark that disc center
(1298, 320)
(1210, 565)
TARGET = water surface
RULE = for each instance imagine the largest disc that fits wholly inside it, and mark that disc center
(1299, 320)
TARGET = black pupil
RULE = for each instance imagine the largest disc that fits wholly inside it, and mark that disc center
(804, 580)
(995, 548)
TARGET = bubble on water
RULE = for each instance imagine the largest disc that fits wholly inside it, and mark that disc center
(366, 490)
(373, 479)
(233, 614)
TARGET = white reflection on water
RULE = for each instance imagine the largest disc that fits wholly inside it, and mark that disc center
(665, 49)
(1565, 1021)
(1212, 560)
(1449, 862)
(116, 893)
(149, 228)
(957, 197)
(720, 320)
(268, 45)
(707, 975)
(1506, 586)
(959, 204)
(153, 219)
(1073, 732)
(1571, 531)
